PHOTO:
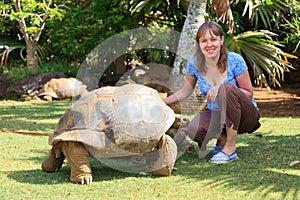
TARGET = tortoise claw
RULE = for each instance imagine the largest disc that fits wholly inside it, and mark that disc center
(86, 179)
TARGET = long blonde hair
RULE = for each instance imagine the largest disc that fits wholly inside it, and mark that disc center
(216, 29)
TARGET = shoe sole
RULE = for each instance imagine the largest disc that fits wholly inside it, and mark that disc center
(224, 162)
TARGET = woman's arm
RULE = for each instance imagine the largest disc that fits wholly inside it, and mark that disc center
(185, 91)
(245, 84)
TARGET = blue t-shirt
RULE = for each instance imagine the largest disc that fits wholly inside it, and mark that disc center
(236, 67)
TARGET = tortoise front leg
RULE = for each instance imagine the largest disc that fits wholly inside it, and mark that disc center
(78, 157)
(167, 153)
(55, 159)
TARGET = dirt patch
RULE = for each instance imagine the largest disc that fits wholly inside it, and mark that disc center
(281, 102)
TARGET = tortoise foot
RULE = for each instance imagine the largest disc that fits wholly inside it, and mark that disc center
(77, 155)
(165, 171)
(54, 161)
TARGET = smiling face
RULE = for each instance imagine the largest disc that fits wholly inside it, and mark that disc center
(210, 47)
(210, 44)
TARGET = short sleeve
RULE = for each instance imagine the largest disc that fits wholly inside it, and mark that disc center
(191, 67)
(239, 64)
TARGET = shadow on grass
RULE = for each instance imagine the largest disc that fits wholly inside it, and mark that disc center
(100, 173)
(39, 177)
(263, 167)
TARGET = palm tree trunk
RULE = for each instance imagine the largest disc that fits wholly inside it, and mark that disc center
(186, 45)
(186, 50)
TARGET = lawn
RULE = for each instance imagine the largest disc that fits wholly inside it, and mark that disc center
(262, 172)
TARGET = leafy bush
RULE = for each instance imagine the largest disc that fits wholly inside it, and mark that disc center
(58, 67)
(18, 72)
(82, 29)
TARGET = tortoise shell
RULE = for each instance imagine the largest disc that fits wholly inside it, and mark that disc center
(116, 121)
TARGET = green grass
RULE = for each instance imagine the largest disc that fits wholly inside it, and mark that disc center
(262, 172)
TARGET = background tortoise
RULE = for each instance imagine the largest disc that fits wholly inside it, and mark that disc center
(113, 122)
(62, 88)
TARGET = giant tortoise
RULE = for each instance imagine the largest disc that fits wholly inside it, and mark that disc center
(63, 88)
(112, 122)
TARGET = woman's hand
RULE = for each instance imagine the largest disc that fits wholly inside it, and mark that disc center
(212, 93)
(186, 90)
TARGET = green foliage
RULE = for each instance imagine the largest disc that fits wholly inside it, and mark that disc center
(69, 38)
(31, 16)
(265, 14)
(82, 29)
(20, 71)
(17, 72)
(262, 40)
(262, 54)
(160, 12)
(7, 50)
(35, 14)
(58, 67)
(12, 59)
(290, 31)
(41, 52)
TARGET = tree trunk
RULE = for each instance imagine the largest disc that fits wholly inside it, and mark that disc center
(32, 59)
(186, 45)
(31, 40)
(187, 42)
(186, 50)
(195, 17)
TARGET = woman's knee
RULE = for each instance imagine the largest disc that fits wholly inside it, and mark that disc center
(227, 88)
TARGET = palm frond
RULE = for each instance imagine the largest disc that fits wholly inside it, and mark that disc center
(8, 50)
(41, 51)
(263, 11)
(263, 55)
(138, 6)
